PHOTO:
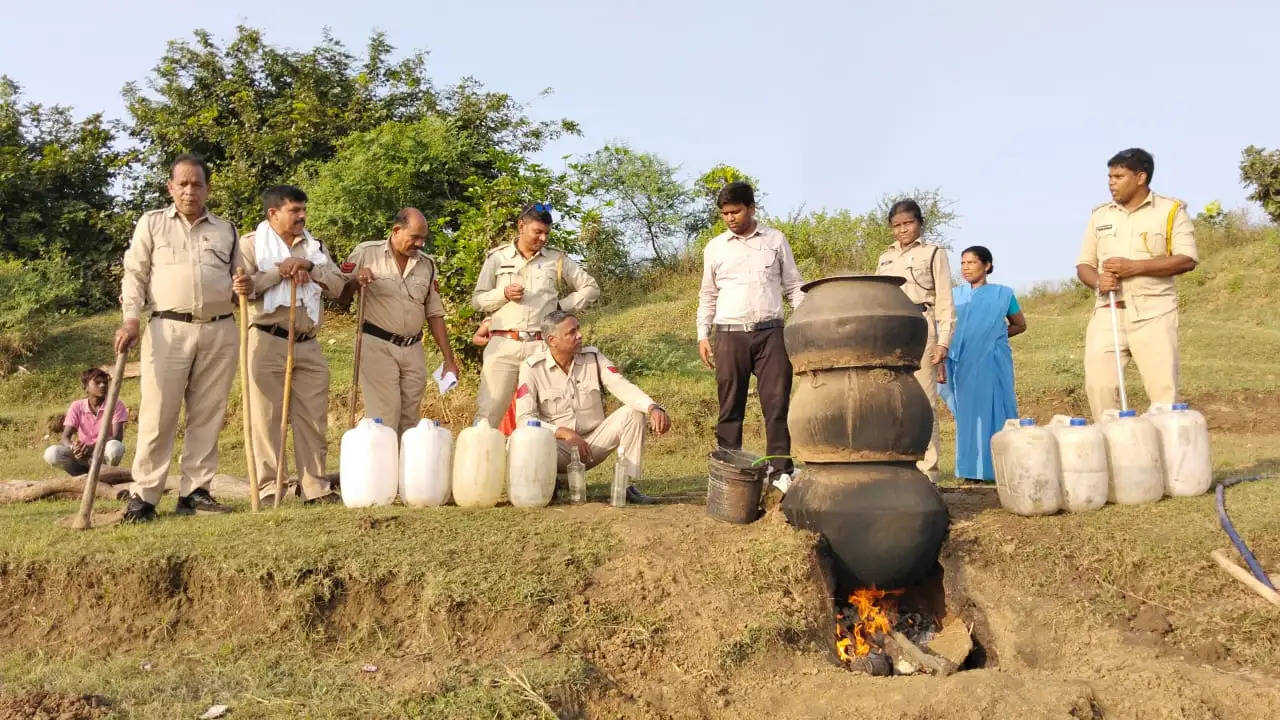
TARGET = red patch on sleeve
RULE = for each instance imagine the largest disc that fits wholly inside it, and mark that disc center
(522, 391)
(348, 267)
(613, 370)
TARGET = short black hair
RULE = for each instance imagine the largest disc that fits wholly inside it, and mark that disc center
(1135, 160)
(276, 196)
(536, 212)
(983, 255)
(736, 193)
(92, 374)
(190, 159)
(906, 205)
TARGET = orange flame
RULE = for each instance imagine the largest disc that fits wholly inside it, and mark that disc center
(874, 608)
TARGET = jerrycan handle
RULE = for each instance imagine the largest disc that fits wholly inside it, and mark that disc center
(1011, 423)
(1060, 420)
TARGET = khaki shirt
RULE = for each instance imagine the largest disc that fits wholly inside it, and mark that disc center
(538, 274)
(173, 265)
(928, 280)
(745, 278)
(397, 302)
(576, 400)
(1113, 231)
(330, 278)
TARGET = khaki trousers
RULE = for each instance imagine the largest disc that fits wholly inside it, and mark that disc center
(1153, 345)
(308, 410)
(928, 379)
(624, 427)
(392, 379)
(191, 363)
(498, 375)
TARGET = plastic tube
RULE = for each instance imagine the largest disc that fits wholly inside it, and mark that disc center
(1254, 566)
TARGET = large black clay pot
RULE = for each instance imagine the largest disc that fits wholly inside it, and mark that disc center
(859, 415)
(855, 321)
(885, 523)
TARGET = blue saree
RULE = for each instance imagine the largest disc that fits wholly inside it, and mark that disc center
(980, 375)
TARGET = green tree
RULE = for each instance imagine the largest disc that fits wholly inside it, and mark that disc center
(639, 194)
(56, 176)
(1260, 170)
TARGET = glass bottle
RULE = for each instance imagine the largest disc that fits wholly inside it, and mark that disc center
(618, 497)
(577, 476)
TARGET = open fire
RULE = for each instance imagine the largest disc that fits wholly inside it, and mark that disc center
(880, 631)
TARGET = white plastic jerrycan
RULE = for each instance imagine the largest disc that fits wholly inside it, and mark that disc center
(479, 466)
(426, 460)
(368, 463)
(1082, 451)
(531, 465)
(1184, 449)
(1133, 454)
(1028, 478)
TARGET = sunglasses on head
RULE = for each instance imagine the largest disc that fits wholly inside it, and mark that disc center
(541, 207)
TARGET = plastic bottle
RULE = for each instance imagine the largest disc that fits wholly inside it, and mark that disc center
(1133, 453)
(1082, 452)
(577, 477)
(426, 462)
(1028, 475)
(1184, 449)
(618, 496)
(369, 464)
(531, 465)
(479, 466)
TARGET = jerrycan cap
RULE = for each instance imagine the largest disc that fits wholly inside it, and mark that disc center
(1181, 406)
(377, 421)
(1078, 422)
(1128, 413)
(533, 423)
(1027, 422)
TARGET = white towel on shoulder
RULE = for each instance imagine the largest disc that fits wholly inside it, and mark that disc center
(270, 251)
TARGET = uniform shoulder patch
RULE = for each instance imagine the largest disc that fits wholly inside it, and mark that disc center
(347, 267)
(590, 350)
(522, 390)
(493, 250)
(1099, 206)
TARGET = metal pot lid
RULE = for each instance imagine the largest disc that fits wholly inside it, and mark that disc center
(887, 279)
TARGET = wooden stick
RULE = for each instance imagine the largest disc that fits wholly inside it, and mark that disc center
(282, 461)
(84, 518)
(1243, 576)
(919, 656)
(249, 458)
(355, 365)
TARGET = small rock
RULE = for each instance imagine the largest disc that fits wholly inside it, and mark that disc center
(370, 668)
(215, 711)
(146, 666)
(1151, 620)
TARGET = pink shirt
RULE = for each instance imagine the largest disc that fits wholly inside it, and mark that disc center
(86, 422)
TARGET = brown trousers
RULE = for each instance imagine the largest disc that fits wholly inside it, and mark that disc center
(308, 410)
(392, 379)
(739, 355)
(182, 363)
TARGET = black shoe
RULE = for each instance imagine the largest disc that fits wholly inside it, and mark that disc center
(138, 510)
(635, 497)
(332, 498)
(200, 502)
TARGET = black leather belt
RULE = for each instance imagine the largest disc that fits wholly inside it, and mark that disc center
(401, 340)
(283, 333)
(751, 327)
(186, 317)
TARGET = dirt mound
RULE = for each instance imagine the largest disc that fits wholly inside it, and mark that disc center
(51, 706)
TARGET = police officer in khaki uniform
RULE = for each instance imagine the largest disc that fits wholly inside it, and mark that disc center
(928, 284)
(1134, 246)
(400, 298)
(563, 387)
(519, 286)
(179, 265)
(278, 251)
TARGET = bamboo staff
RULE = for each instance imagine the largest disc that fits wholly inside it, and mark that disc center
(355, 370)
(249, 458)
(282, 461)
(84, 518)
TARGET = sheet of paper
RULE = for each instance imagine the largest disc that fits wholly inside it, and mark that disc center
(446, 381)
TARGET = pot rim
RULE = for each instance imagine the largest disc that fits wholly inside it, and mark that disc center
(888, 279)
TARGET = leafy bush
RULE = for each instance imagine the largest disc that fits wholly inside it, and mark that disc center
(35, 292)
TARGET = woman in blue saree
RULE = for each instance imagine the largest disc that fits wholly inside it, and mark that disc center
(980, 364)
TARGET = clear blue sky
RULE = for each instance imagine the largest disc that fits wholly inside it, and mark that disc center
(1010, 108)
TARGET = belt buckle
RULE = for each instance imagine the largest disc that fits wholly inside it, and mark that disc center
(404, 341)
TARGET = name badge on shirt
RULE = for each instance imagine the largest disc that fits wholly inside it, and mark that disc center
(1100, 228)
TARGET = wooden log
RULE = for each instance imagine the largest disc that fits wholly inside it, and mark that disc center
(1243, 576)
(107, 488)
(922, 658)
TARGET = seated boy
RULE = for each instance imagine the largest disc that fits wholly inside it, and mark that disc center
(80, 428)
